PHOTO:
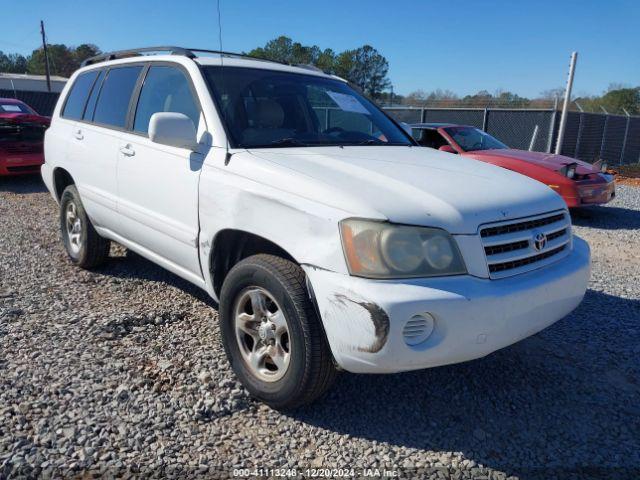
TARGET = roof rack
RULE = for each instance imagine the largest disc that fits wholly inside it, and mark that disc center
(186, 52)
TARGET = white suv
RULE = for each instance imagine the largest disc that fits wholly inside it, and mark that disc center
(328, 237)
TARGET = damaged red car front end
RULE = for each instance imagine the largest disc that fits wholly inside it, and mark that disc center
(21, 138)
(579, 183)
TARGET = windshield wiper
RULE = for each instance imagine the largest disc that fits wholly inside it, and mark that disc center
(289, 142)
(375, 141)
(371, 141)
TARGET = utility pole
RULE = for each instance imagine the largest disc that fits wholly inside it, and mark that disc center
(46, 56)
(567, 99)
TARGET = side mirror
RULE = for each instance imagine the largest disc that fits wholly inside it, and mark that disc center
(448, 149)
(173, 129)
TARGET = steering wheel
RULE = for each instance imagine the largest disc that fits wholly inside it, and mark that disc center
(334, 130)
(476, 145)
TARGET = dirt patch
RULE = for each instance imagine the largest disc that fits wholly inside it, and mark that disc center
(627, 174)
(621, 180)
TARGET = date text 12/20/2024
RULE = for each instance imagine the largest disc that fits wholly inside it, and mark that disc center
(316, 472)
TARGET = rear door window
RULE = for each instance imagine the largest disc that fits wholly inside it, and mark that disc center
(165, 89)
(77, 98)
(115, 95)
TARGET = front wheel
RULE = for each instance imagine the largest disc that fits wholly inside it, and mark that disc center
(271, 334)
(84, 246)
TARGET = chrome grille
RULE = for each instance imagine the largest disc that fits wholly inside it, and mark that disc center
(519, 227)
(511, 247)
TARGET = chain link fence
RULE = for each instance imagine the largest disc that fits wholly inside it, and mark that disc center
(615, 139)
(41, 102)
(588, 136)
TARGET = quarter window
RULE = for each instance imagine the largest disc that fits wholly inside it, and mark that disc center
(74, 106)
(165, 89)
(93, 98)
(115, 95)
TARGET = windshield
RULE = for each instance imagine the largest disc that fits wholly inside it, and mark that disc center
(6, 107)
(266, 108)
(471, 139)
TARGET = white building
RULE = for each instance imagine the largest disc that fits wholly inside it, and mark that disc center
(23, 82)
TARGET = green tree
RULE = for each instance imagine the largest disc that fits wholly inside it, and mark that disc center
(344, 64)
(61, 61)
(84, 51)
(622, 99)
(367, 68)
(325, 60)
(481, 99)
(12, 63)
(511, 100)
(364, 66)
(279, 50)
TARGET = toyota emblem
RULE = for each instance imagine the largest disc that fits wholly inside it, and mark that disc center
(539, 241)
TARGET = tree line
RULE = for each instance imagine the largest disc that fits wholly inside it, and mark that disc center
(616, 99)
(63, 60)
(364, 66)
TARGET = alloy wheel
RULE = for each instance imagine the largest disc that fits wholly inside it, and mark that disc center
(262, 333)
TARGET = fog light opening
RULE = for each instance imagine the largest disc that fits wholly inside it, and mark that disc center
(418, 329)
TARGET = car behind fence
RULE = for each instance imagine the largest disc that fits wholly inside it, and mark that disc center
(615, 139)
(41, 102)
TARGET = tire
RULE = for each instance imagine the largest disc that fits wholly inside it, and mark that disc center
(298, 367)
(84, 246)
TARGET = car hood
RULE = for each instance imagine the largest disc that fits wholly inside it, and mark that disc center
(411, 185)
(550, 161)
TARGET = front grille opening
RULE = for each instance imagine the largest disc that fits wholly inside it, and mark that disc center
(22, 149)
(519, 227)
(24, 168)
(507, 247)
(558, 234)
(501, 267)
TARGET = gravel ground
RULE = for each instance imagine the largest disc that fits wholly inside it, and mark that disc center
(120, 371)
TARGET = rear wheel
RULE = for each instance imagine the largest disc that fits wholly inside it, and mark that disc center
(84, 246)
(271, 334)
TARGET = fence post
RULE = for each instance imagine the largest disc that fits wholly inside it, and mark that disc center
(485, 118)
(423, 115)
(604, 134)
(565, 104)
(534, 137)
(580, 130)
(552, 125)
(626, 134)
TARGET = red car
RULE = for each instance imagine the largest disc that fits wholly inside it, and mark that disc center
(21, 138)
(579, 183)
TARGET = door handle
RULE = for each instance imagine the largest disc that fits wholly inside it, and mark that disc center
(78, 134)
(127, 151)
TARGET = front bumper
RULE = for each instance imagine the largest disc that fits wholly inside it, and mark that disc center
(20, 164)
(364, 319)
(590, 192)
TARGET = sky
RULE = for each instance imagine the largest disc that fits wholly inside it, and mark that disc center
(464, 46)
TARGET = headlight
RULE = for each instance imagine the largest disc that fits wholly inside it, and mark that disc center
(383, 250)
(569, 170)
